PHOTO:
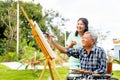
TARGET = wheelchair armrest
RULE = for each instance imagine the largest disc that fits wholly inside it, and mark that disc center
(101, 75)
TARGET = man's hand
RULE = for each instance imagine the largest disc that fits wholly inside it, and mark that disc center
(49, 37)
(55, 44)
(86, 72)
(78, 71)
(81, 71)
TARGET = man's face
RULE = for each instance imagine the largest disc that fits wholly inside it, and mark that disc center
(87, 41)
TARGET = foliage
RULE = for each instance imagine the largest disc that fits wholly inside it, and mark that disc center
(30, 55)
(116, 61)
(8, 22)
(7, 52)
(55, 21)
(1, 47)
(67, 34)
(35, 13)
(8, 30)
(60, 35)
(28, 46)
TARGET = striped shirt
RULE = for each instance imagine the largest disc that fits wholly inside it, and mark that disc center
(95, 61)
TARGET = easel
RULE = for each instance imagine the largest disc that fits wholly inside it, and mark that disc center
(40, 42)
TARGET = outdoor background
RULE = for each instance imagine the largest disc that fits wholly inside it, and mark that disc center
(20, 56)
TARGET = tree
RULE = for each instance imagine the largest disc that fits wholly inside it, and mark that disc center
(8, 22)
(54, 21)
(34, 12)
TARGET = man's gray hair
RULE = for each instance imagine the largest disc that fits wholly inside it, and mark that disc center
(92, 35)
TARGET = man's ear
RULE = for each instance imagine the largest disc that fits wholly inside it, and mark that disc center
(93, 41)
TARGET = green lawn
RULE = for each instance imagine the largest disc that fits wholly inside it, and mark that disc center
(8, 74)
(116, 74)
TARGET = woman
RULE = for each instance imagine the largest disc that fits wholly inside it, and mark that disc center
(75, 40)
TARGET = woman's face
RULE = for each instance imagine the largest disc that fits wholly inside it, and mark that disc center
(80, 26)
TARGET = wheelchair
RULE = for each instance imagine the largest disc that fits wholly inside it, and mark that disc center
(94, 76)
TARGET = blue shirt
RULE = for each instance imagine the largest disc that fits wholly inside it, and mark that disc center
(95, 61)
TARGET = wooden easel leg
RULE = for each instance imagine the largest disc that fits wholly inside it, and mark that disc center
(59, 78)
(41, 76)
(51, 73)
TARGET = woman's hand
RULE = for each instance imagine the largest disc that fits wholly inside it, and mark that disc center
(73, 42)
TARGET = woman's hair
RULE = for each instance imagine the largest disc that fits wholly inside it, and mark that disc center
(85, 21)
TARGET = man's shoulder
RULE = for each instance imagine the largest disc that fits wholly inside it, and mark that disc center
(98, 48)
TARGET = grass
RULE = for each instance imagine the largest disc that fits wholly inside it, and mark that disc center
(8, 74)
(116, 74)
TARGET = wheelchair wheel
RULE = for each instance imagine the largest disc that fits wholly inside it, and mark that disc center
(113, 79)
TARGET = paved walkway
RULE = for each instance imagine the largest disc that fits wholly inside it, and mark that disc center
(116, 67)
(20, 66)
